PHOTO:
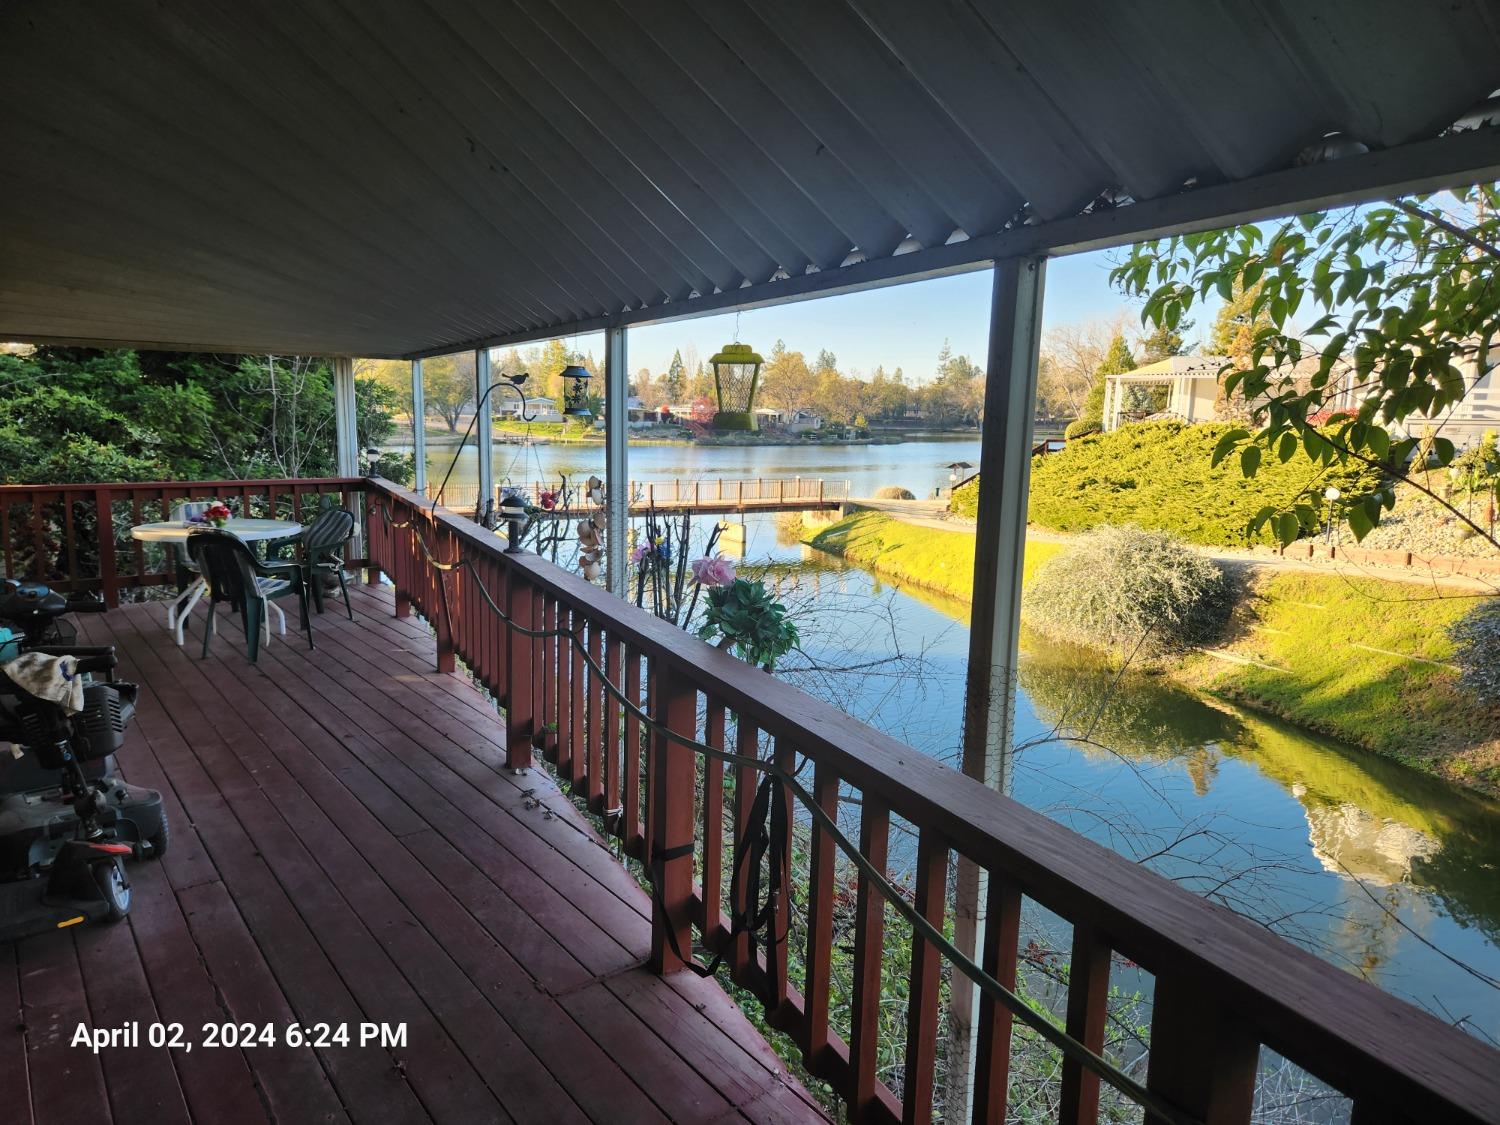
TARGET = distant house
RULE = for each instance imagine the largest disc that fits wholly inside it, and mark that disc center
(1180, 386)
(538, 409)
(1186, 387)
(797, 421)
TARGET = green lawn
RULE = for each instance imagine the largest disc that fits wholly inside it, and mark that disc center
(923, 556)
(1363, 660)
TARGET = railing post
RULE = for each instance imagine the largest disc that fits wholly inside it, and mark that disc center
(672, 792)
(1202, 1062)
(520, 667)
(443, 622)
(105, 522)
(1088, 999)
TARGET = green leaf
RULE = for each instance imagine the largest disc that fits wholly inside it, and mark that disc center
(1359, 522)
(1249, 460)
(1287, 527)
(1227, 443)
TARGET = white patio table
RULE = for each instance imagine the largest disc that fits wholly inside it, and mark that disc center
(177, 532)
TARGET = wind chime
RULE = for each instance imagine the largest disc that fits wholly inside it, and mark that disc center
(591, 531)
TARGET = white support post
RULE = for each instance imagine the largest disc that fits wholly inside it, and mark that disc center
(995, 624)
(419, 427)
(345, 417)
(616, 467)
(484, 430)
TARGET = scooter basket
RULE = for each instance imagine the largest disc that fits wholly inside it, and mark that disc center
(101, 723)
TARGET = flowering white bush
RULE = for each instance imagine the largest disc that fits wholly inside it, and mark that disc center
(1476, 651)
(1131, 591)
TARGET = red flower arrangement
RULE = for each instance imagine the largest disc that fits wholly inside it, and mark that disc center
(217, 513)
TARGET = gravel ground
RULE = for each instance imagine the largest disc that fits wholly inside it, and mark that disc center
(1423, 527)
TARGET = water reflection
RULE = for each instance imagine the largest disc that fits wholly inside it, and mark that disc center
(1384, 871)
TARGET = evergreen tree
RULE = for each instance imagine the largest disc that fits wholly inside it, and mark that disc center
(1116, 361)
(1164, 342)
(1234, 327)
(676, 378)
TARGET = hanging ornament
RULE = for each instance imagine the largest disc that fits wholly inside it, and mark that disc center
(736, 379)
(575, 380)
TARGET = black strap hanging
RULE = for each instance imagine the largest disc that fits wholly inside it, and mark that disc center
(763, 842)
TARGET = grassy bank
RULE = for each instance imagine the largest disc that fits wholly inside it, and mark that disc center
(1363, 661)
(941, 561)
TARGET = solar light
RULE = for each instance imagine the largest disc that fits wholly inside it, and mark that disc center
(576, 391)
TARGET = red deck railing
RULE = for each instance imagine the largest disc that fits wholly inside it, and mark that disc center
(77, 536)
(1224, 987)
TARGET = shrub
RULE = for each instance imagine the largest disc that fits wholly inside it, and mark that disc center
(1158, 474)
(894, 492)
(1476, 651)
(1082, 427)
(965, 499)
(1130, 590)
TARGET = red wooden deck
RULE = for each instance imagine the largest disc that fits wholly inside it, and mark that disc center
(348, 848)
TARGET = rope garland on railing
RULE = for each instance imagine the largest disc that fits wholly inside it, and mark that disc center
(988, 985)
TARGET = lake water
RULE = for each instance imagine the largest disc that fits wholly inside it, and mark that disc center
(1382, 870)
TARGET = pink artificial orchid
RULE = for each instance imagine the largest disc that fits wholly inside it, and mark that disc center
(640, 553)
(715, 571)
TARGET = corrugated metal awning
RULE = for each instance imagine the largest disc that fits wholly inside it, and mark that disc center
(389, 177)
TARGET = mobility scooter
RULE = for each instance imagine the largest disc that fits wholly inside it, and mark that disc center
(66, 823)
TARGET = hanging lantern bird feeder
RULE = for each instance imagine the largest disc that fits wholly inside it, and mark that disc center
(575, 380)
(736, 379)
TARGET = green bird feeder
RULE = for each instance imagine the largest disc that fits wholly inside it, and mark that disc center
(736, 378)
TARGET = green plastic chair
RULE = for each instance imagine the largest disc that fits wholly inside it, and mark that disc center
(235, 576)
(321, 542)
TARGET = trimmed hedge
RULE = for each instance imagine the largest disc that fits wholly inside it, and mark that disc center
(1157, 475)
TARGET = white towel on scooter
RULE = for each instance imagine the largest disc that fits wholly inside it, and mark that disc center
(53, 678)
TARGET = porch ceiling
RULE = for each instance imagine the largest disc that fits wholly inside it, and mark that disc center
(392, 178)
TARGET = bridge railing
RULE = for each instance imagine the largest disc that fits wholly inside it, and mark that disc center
(630, 711)
(681, 492)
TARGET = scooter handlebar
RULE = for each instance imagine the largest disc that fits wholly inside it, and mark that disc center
(90, 658)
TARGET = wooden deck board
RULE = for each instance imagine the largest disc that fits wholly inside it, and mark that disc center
(348, 847)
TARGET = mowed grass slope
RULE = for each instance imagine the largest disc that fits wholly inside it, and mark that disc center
(1365, 661)
(937, 560)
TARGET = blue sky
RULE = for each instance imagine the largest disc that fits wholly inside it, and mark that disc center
(899, 326)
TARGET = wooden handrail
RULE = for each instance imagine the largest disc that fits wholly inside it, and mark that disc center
(233, 485)
(1225, 985)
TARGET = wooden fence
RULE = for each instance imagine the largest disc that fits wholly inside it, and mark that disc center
(77, 536)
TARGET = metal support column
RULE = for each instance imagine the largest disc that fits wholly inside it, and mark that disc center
(616, 460)
(995, 624)
(484, 430)
(345, 417)
(419, 427)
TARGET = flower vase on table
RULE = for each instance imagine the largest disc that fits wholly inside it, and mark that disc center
(216, 514)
